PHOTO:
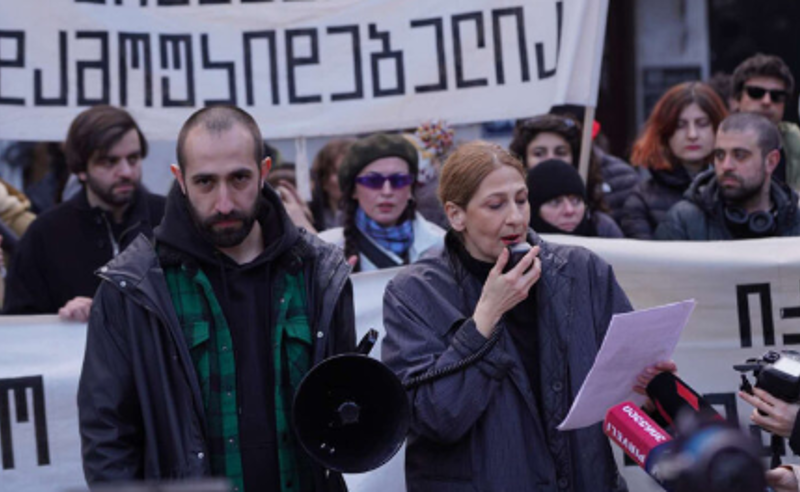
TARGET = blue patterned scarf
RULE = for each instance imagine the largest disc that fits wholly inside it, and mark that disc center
(397, 239)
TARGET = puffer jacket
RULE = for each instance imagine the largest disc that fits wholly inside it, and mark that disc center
(481, 429)
(140, 407)
(650, 201)
(619, 180)
(700, 215)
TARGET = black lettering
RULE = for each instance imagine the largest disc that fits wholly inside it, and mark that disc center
(358, 70)
(791, 313)
(248, 65)
(91, 1)
(17, 62)
(743, 308)
(543, 72)
(136, 41)
(386, 53)
(498, 43)
(758, 434)
(256, 1)
(61, 99)
(172, 3)
(101, 64)
(292, 62)
(476, 17)
(175, 42)
(438, 25)
(213, 2)
(227, 66)
(728, 402)
(19, 386)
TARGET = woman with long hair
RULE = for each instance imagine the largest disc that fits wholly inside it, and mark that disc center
(326, 195)
(381, 226)
(530, 333)
(676, 144)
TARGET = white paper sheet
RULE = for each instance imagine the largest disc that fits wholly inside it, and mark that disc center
(634, 341)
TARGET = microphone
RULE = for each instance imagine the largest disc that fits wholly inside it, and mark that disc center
(644, 441)
(672, 397)
(710, 457)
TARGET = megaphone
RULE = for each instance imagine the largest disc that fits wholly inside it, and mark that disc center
(351, 413)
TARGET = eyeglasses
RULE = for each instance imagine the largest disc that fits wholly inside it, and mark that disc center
(776, 95)
(375, 181)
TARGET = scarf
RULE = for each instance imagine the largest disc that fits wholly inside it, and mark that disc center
(397, 239)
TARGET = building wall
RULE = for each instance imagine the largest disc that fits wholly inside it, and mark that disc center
(671, 45)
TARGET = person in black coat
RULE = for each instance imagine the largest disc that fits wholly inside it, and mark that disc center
(676, 144)
(558, 203)
(53, 268)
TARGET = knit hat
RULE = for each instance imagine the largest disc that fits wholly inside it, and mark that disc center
(551, 179)
(368, 150)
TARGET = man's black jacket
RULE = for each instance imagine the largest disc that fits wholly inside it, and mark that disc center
(140, 407)
(57, 256)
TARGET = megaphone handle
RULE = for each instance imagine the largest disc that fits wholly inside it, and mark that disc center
(367, 342)
(434, 374)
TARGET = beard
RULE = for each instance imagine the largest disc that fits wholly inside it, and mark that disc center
(742, 193)
(225, 237)
(108, 194)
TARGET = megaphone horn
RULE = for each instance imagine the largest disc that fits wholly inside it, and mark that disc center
(350, 412)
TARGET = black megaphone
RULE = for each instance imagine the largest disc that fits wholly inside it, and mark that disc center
(350, 412)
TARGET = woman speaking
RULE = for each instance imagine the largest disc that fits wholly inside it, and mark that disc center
(532, 330)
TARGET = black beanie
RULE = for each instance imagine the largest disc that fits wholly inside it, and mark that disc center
(368, 150)
(551, 179)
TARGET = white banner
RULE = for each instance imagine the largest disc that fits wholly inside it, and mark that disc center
(748, 301)
(301, 68)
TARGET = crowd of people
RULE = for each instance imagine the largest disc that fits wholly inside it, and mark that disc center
(174, 286)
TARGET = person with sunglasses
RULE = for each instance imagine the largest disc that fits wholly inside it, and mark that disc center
(381, 226)
(763, 84)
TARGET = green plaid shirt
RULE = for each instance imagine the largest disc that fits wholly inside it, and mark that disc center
(207, 333)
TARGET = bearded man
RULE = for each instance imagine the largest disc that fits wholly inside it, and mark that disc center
(738, 199)
(54, 264)
(196, 344)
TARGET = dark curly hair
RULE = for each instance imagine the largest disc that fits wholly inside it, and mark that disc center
(761, 65)
(526, 130)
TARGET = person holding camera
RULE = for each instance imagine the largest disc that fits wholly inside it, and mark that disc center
(518, 338)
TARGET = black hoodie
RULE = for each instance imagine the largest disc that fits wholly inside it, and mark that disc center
(243, 292)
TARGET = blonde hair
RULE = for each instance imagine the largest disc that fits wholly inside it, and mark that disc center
(468, 166)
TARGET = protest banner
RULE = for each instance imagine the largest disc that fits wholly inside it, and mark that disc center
(301, 68)
(748, 302)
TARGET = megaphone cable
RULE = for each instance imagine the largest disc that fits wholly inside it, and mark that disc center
(434, 374)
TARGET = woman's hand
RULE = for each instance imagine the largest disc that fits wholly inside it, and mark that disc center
(647, 375)
(503, 291)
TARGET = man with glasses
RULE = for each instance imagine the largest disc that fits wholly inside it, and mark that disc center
(763, 84)
(738, 199)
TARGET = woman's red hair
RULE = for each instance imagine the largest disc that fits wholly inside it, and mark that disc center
(651, 149)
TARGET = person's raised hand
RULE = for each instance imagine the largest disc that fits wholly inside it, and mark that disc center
(76, 309)
(503, 291)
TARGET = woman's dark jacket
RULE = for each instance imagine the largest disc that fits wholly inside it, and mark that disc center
(650, 201)
(140, 408)
(620, 178)
(481, 429)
